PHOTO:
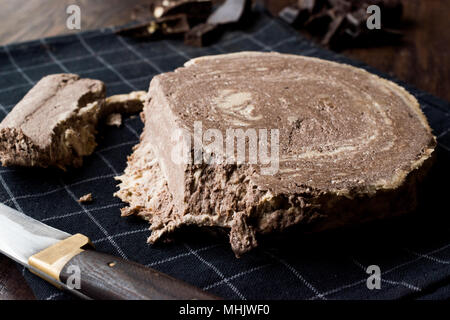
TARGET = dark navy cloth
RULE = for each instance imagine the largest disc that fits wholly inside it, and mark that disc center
(413, 253)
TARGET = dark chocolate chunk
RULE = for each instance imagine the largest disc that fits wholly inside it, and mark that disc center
(142, 12)
(310, 6)
(191, 8)
(333, 30)
(290, 15)
(341, 23)
(318, 23)
(54, 125)
(156, 29)
(202, 35)
(230, 12)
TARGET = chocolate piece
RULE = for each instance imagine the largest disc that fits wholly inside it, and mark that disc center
(290, 15)
(231, 12)
(333, 30)
(86, 198)
(54, 124)
(342, 23)
(343, 5)
(143, 12)
(392, 11)
(202, 35)
(298, 15)
(307, 4)
(192, 8)
(157, 29)
(124, 103)
(352, 147)
(319, 23)
(114, 119)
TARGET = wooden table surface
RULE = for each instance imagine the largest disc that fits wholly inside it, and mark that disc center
(422, 58)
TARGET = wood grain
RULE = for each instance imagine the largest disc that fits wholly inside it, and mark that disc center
(105, 277)
(421, 59)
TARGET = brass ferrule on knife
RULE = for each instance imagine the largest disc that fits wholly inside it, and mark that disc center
(52, 260)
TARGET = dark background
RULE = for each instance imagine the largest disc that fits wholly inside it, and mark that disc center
(422, 58)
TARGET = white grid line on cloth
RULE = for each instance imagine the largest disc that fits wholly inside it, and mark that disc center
(102, 229)
(41, 194)
(297, 274)
(267, 26)
(259, 43)
(11, 195)
(241, 36)
(100, 59)
(121, 64)
(106, 161)
(81, 57)
(52, 56)
(443, 133)
(402, 283)
(102, 52)
(218, 272)
(425, 256)
(2, 107)
(18, 68)
(127, 233)
(174, 49)
(23, 85)
(131, 129)
(237, 275)
(122, 144)
(70, 214)
(133, 79)
(279, 43)
(444, 146)
(336, 290)
(139, 55)
(84, 71)
(181, 255)
(219, 46)
(47, 64)
(52, 296)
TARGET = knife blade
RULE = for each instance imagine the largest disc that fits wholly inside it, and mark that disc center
(53, 255)
(22, 236)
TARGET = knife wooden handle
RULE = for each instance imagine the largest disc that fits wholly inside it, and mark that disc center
(103, 276)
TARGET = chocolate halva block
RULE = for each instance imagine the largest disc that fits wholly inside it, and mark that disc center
(54, 125)
(345, 147)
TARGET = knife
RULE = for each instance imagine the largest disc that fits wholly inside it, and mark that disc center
(69, 262)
